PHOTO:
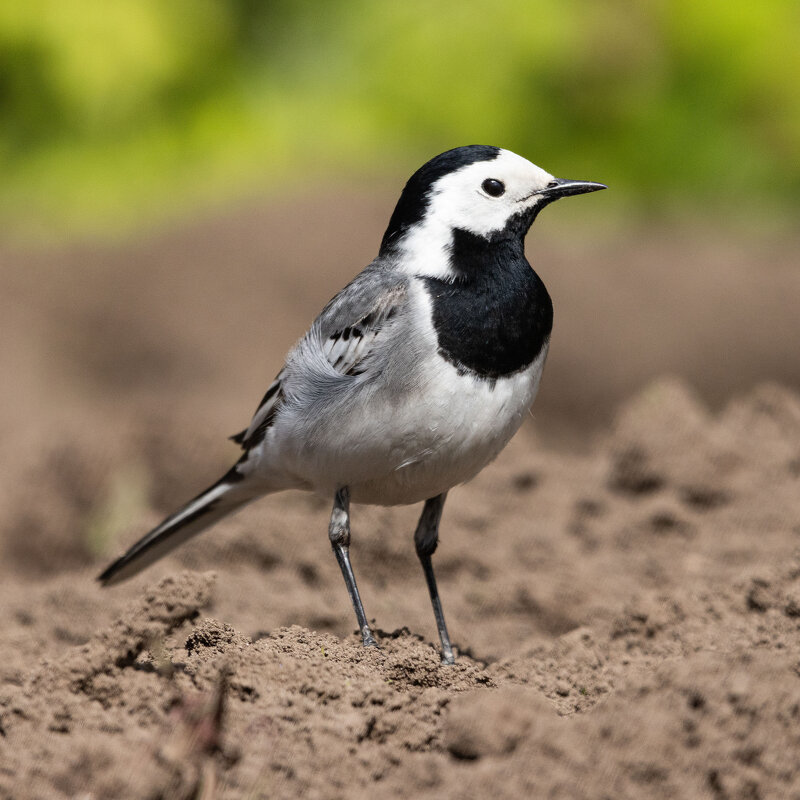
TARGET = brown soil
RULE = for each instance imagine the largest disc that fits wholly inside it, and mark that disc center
(627, 616)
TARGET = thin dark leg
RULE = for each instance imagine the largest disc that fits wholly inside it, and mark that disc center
(426, 538)
(339, 533)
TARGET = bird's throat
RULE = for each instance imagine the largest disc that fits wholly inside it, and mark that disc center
(496, 317)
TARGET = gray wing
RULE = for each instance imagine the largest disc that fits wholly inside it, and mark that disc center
(348, 329)
(350, 325)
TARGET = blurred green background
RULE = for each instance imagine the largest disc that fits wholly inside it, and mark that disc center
(119, 115)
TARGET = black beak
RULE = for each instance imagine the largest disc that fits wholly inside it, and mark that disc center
(561, 188)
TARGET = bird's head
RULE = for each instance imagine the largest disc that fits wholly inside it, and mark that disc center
(485, 191)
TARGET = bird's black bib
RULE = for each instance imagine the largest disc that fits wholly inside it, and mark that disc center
(497, 316)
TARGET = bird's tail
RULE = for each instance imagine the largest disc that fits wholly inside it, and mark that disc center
(227, 495)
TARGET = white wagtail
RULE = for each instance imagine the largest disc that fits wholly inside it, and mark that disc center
(414, 377)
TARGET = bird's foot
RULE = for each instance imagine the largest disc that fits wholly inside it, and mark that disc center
(367, 638)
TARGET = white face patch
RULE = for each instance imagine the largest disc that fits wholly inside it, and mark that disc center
(458, 200)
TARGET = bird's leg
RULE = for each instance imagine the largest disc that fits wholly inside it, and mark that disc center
(426, 538)
(339, 533)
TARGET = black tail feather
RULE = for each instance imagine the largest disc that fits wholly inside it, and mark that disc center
(224, 497)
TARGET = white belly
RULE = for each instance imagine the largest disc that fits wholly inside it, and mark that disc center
(398, 450)
(469, 421)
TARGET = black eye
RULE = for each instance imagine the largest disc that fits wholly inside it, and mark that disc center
(493, 187)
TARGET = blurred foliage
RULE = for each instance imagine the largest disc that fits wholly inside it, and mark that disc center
(116, 113)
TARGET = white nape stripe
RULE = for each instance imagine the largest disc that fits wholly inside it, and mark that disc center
(426, 249)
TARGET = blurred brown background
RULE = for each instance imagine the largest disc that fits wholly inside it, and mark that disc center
(205, 312)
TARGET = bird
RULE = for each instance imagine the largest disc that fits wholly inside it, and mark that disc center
(412, 378)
